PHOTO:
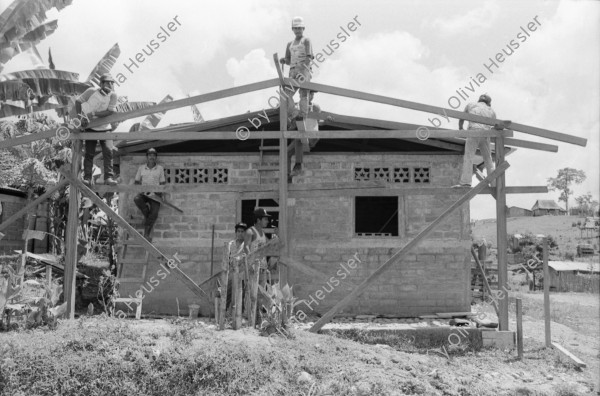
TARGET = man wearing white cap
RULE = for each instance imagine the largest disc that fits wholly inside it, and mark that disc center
(298, 55)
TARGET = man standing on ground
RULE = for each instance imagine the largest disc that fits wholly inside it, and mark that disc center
(298, 55)
(150, 174)
(481, 108)
(254, 239)
(236, 256)
(98, 103)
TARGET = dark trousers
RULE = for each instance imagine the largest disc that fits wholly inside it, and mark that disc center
(149, 208)
(88, 161)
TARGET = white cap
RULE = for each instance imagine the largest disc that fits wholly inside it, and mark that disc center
(298, 22)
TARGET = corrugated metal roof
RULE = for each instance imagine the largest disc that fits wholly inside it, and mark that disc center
(574, 266)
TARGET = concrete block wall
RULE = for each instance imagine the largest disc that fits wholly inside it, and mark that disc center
(13, 235)
(433, 278)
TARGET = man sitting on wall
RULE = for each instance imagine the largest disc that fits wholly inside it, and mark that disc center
(150, 174)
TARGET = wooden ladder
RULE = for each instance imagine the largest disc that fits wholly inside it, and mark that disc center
(129, 258)
(262, 167)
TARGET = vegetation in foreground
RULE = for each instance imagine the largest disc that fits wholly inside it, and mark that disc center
(104, 356)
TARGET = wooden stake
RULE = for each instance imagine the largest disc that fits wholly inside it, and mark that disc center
(501, 237)
(520, 328)
(71, 235)
(224, 279)
(546, 295)
(237, 298)
(407, 248)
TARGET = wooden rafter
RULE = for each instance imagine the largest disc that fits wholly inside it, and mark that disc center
(396, 257)
(545, 133)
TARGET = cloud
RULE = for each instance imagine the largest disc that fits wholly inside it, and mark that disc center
(474, 20)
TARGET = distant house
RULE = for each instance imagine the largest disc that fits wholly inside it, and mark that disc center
(515, 211)
(573, 276)
(543, 207)
(11, 201)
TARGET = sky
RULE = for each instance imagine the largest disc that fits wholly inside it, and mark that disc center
(421, 51)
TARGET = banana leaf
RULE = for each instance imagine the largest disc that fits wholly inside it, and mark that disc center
(7, 110)
(104, 65)
(126, 107)
(40, 33)
(152, 120)
(41, 73)
(13, 90)
(23, 15)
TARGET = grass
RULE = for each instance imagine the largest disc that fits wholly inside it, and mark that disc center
(105, 356)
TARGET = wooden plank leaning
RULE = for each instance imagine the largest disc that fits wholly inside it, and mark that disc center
(328, 316)
(153, 251)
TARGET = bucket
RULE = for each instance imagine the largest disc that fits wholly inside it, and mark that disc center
(194, 308)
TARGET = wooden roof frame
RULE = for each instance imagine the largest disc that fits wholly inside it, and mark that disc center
(501, 138)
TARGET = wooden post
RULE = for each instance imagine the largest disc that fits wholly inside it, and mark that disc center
(520, 328)
(224, 278)
(501, 236)
(71, 234)
(236, 296)
(396, 257)
(283, 162)
(546, 295)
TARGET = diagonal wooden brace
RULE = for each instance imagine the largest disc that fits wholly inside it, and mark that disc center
(407, 248)
(152, 250)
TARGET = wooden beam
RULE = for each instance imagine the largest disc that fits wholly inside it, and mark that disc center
(172, 136)
(225, 93)
(578, 362)
(420, 134)
(407, 248)
(136, 236)
(27, 138)
(531, 145)
(71, 239)
(350, 189)
(31, 205)
(501, 234)
(561, 137)
(283, 162)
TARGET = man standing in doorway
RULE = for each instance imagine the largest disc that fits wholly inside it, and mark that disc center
(150, 174)
(481, 108)
(98, 103)
(235, 252)
(298, 55)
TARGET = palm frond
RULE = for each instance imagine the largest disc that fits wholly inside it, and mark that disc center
(152, 120)
(104, 65)
(126, 107)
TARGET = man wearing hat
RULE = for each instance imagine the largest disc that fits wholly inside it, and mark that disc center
(98, 103)
(150, 174)
(481, 108)
(298, 55)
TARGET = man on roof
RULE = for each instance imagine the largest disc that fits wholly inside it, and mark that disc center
(481, 108)
(98, 103)
(298, 55)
